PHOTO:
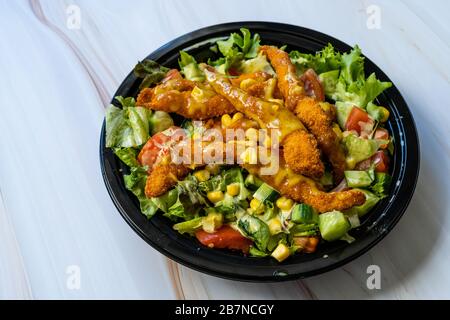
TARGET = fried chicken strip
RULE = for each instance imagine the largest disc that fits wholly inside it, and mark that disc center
(292, 134)
(164, 177)
(309, 110)
(187, 98)
(305, 190)
(259, 84)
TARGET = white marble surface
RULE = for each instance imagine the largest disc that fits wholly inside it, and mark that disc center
(55, 211)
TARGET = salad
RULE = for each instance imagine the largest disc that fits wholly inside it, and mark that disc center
(256, 148)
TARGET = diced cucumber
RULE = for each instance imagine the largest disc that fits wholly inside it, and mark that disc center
(266, 193)
(359, 179)
(371, 201)
(252, 182)
(301, 229)
(303, 213)
(343, 110)
(333, 225)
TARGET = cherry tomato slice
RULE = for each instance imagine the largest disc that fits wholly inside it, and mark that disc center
(158, 145)
(381, 161)
(224, 238)
(355, 118)
(172, 74)
(313, 86)
(382, 134)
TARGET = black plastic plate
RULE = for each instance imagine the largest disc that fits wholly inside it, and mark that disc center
(189, 252)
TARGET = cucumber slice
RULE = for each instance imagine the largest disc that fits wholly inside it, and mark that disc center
(266, 193)
(333, 225)
(359, 179)
(303, 213)
(252, 182)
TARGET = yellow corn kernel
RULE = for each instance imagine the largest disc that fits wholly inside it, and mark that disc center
(233, 189)
(337, 130)
(350, 163)
(257, 206)
(284, 203)
(249, 156)
(281, 252)
(245, 84)
(270, 88)
(236, 117)
(212, 222)
(215, 196)
(274, 226)
(213, 168)
(251, 134)
(202, 175)
(226, 120)
(385, 114)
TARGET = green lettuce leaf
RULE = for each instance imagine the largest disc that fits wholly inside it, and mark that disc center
(135, 182)
(189, 226)
(189, 67)
(235, 49)
(381, 184)
(128, 156)
(255, 229)
(342, 75)
(327, 59)
(127, 127)
(150, 71)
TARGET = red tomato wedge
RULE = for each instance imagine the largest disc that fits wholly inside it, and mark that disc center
(382, 134)
(224, 238)
(172, 74)
(158, 146)
(312, 84)
(309, 244)
(381, 161)
(356, 117)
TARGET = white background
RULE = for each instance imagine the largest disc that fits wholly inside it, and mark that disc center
(55, 83)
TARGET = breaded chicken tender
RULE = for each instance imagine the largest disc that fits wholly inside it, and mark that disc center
(314, 114)
(320, 125)
(304, 190)
(164, 177)
(274, 116)
(187, 98)
(299, 148)
(290, 85)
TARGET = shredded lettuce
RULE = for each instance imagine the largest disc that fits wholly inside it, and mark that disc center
(189, 226)
(150, 71)
(235, 49)
(381, 184)
(255, 229)
(342, 75)
(189, 67)
(135, 182)
(323, 61)
(257, 64)
(128, 156)
(127, 127)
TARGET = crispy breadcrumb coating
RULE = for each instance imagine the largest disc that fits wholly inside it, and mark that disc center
(164, 177)
(309, 110)
(305, 158)
(175, 95)
(305, 190)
